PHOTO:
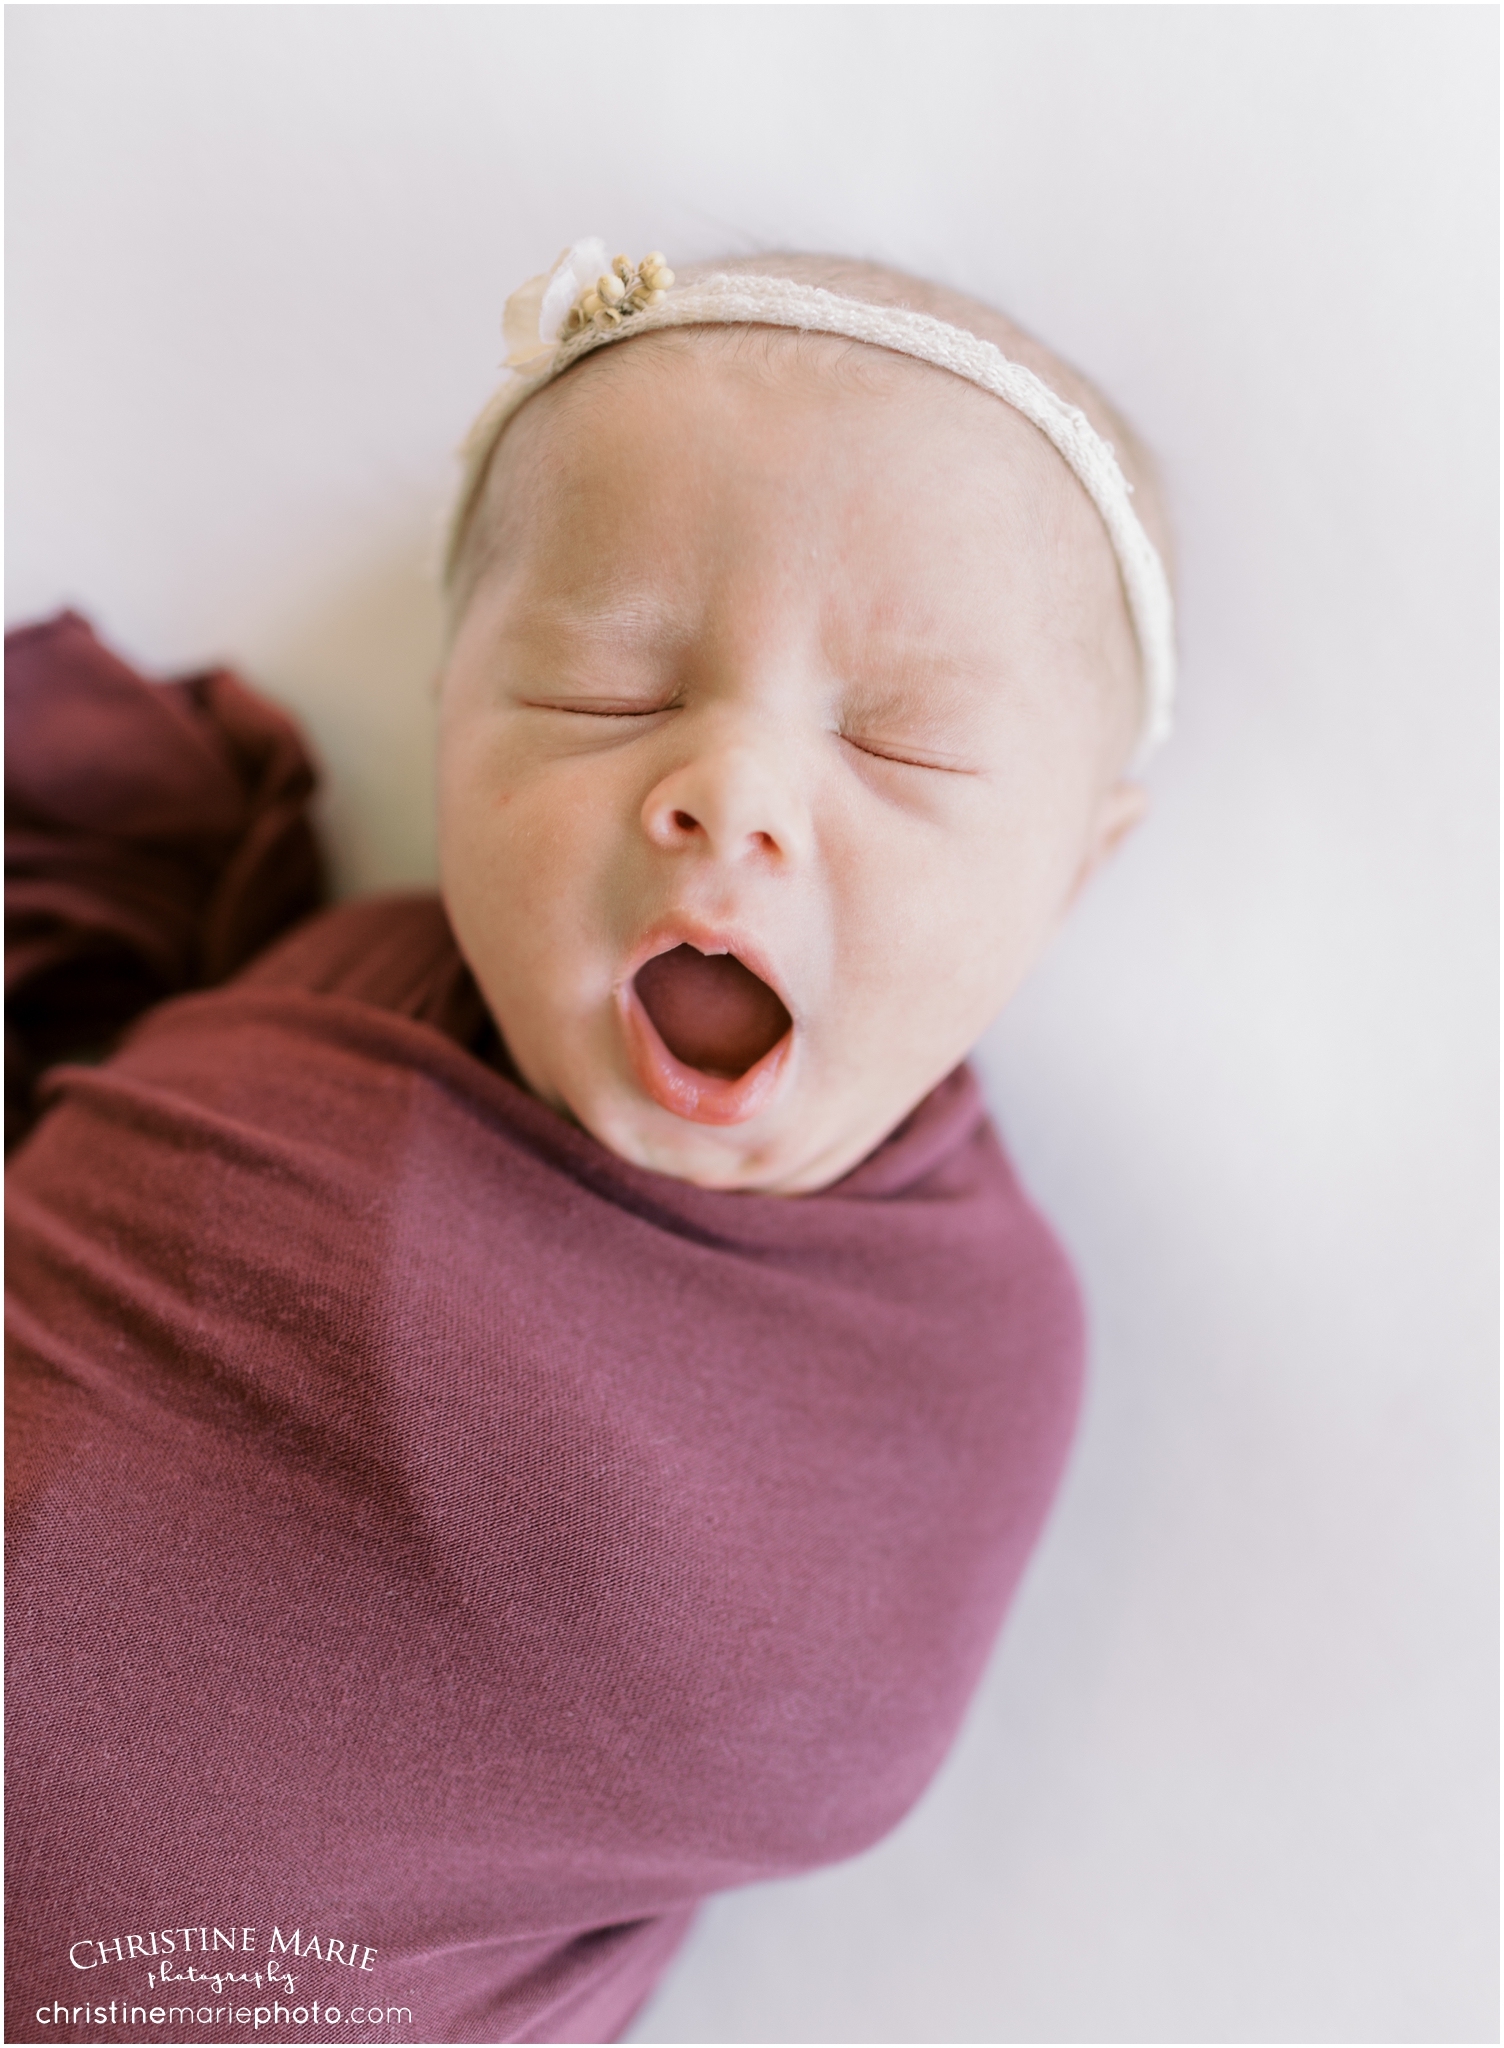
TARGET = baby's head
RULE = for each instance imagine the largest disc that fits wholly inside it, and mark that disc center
(790, 698)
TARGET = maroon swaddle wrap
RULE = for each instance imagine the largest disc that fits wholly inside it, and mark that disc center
(441, 1552)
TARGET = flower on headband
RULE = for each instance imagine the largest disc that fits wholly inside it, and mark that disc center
(582, 290)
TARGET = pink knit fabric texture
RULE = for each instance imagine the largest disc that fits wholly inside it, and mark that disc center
(442, 1553)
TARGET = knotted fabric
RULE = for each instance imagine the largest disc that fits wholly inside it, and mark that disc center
(156, 836)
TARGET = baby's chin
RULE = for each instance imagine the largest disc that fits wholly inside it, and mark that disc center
(780, 1154)
(732, 1161)
(753, 1133)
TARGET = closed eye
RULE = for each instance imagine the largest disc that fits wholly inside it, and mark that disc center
(902, 757)
(605, 707)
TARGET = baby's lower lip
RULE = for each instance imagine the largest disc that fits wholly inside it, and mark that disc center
(685, 1091)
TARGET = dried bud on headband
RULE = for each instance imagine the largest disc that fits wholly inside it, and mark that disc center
(586, 302)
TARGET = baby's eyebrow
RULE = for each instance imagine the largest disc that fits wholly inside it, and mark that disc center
(628, 618)
(898, 637)
(896, 668)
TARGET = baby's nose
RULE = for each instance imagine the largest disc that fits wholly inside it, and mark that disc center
(736, 800)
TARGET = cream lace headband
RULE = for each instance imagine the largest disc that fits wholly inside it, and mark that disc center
(585, 302)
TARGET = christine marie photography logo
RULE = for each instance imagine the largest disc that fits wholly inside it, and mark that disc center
(266, 1980)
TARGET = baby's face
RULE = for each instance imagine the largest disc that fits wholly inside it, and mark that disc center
(782, 725)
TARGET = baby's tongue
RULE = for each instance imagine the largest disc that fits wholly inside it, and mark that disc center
(710, 1011)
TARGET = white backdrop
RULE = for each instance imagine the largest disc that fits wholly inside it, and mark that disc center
(1230, 1777)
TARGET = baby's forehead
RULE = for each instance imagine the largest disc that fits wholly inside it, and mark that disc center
(861, 394)
(910, 503)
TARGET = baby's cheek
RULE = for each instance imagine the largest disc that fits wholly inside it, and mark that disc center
(928, 898)
(959, 929)
(492, 826)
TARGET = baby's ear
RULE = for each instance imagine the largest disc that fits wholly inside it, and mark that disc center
(1121, 808)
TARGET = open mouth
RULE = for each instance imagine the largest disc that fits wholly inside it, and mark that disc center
(708, 1036)
(710, 1011)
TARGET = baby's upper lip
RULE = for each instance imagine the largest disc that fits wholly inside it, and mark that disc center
(710, 938)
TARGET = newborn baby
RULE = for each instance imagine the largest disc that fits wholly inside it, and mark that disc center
(788, 700)
(528, 1408)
